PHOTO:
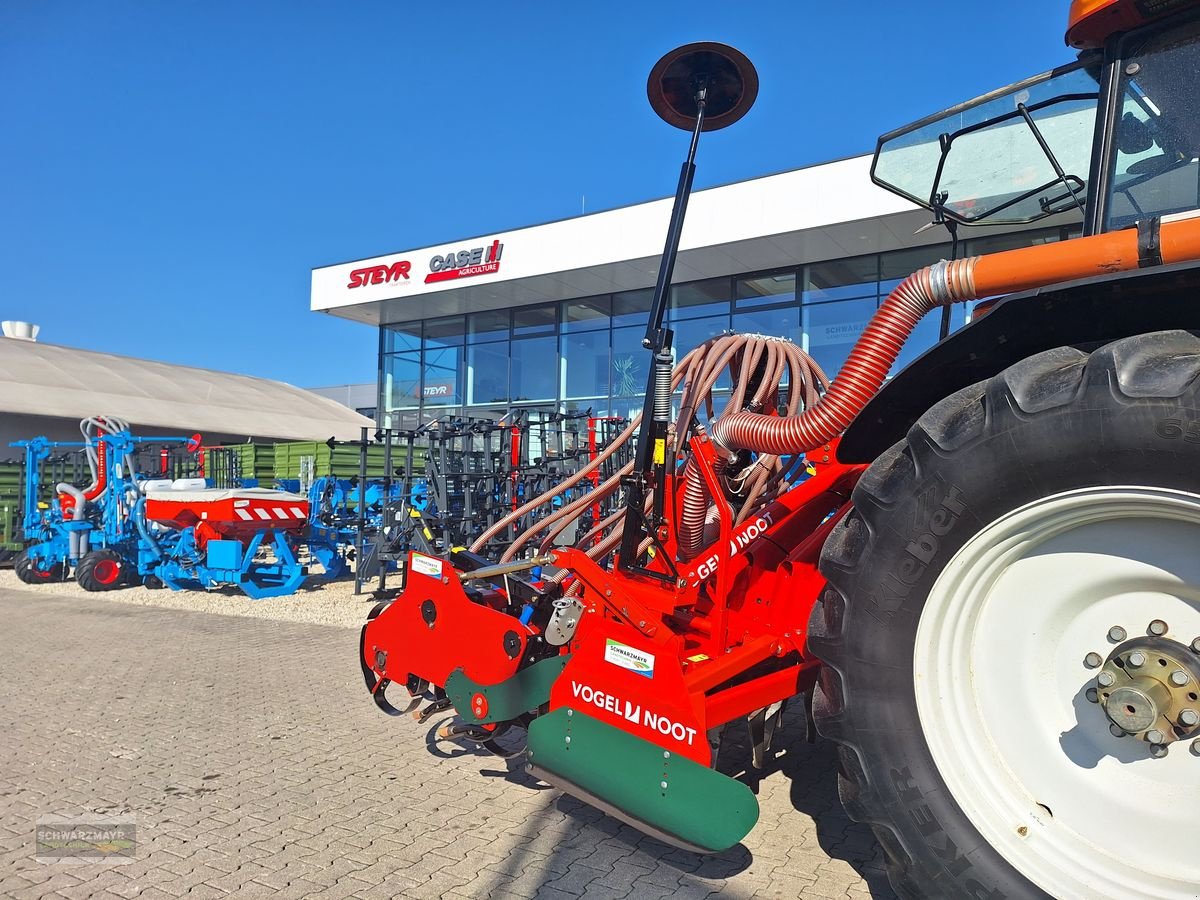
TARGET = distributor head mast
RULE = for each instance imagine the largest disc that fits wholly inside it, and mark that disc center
(698, 87)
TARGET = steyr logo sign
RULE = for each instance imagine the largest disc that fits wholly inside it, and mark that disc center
(465, 263)
(397, 271)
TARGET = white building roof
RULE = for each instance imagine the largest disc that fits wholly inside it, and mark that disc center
(829, 211)
(51, 380)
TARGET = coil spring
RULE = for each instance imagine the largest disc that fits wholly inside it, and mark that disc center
(662, 387)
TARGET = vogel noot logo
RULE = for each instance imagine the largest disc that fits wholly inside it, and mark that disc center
(465, 263)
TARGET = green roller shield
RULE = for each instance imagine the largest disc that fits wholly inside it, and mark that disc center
(699, 808)
(526, 690)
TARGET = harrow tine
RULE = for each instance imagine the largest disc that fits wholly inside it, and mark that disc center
(421, 716)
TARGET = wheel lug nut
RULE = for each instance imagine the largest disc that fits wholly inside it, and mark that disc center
(1179, 678)
(1154, 736)
(1116, 634)
(1196, 645)
(1105, 679)
(1116, 730)
(1158, 627)
(1158, 751)
(1092, 696)
(1137, 658)
(1196, 747)
(1189, 718)
(1092, 660)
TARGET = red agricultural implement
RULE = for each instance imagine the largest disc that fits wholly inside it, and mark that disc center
(980, 577)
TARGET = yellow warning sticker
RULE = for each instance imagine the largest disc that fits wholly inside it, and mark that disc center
(699, 657)
(660, 451)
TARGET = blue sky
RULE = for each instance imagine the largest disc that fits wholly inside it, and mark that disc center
(172, 171)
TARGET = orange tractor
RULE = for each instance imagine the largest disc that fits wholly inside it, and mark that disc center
(981, 577)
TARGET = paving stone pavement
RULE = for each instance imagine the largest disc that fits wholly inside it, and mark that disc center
(255, 766)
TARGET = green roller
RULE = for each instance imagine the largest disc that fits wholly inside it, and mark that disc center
(526, 690)
(669, 796)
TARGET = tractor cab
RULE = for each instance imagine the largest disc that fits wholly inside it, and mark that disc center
(1108, 140)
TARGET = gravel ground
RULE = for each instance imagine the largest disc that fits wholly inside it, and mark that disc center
(317, 602)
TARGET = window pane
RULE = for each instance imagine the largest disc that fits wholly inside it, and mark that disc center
(488, 326)
(779, 322)
(699, 298)
(598, 406)
(841, 279)
(444, 332)
(534, 369)
(694, 332)
(487, 373)
(400, 338)
(902, 263)
(629, 361)
(895, 267)
(586, 315)
(586, 362)
(401, 381)
(632, 307)
(1155, 170)
(830, 330)
(998, 242)
(531, 320)
(441, 386)
(763, 290)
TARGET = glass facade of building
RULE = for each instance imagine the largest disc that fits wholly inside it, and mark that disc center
(587, 353)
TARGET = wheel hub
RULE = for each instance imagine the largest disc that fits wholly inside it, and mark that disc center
(1149, 688)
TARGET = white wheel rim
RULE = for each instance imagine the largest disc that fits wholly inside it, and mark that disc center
(1000, 681)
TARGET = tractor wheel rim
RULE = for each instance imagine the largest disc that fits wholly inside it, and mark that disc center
(106, 571)
(1002, 674)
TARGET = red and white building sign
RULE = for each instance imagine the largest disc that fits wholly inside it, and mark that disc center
(465, 263)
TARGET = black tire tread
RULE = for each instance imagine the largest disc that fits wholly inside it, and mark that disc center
(85, 578)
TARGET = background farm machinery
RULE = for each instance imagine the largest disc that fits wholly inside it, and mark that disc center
(129, 526)
(115, 509)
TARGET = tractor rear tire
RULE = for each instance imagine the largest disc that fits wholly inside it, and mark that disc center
(28, 571)
(1024, 524)
(101, 570)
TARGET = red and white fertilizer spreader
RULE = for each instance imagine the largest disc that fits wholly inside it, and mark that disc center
(209, 537)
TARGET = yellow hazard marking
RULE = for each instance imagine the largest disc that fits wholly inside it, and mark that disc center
(660, 451)
(699, 657)
(413, 514)
(428, 533)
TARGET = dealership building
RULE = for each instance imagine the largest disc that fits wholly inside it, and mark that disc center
(551, 316)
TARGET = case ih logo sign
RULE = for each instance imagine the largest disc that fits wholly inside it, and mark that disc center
(397, 271)
(465, 263)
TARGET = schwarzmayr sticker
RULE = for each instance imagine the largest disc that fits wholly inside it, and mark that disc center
(630, 658)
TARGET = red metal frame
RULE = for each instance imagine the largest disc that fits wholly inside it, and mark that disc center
(667, 653)
(745, 601)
